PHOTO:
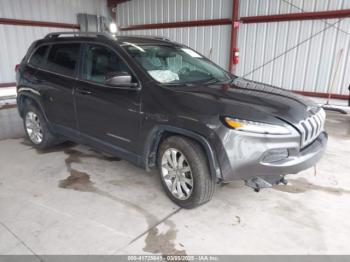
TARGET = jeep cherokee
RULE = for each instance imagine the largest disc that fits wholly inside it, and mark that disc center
(161, 104)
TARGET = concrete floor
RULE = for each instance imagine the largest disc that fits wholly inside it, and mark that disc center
(74, 200)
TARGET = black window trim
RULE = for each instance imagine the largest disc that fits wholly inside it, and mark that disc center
(80, 62)
(74, 76)
(41, 67)
(34, 51)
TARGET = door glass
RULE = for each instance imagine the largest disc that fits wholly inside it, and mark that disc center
(101, 62)
(63, 58)
(38, 57)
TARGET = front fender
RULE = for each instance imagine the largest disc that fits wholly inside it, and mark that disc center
(155, 136)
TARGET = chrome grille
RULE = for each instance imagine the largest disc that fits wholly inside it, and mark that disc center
(311, 127)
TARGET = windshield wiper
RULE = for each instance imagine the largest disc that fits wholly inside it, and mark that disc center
(175, 84)
(210, 80)
(214, 80)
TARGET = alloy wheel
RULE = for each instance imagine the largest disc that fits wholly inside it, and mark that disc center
(177, 173)
(33, 128)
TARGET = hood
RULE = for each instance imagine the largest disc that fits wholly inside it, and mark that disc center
(247, 100)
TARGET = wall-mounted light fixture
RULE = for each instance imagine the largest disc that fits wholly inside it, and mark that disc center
(113, 28)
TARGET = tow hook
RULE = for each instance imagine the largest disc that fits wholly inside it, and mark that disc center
(258, 183)
(283, 181)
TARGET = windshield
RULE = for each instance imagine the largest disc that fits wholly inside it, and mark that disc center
(175, 64)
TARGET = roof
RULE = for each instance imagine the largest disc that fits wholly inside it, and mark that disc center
(119, 38)
(144, 40)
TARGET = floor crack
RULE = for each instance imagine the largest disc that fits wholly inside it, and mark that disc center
(21, 241)
(152, 227)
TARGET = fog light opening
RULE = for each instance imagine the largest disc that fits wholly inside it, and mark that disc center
(276, 155)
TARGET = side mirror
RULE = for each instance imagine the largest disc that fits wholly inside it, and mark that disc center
(120, 79)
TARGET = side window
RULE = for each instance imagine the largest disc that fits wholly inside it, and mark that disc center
(63, 58)
(37, 59)
(101, 61)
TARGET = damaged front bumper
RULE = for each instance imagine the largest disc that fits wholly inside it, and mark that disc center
(263, 160)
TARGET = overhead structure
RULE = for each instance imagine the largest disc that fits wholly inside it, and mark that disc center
(289, 44)
(22, 22)
(293, 46)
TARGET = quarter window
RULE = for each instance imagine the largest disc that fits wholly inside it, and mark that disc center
(38, 57)
(63, 58)
(100, 62)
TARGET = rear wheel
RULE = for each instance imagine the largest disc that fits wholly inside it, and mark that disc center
(184, 172)
(37, 129)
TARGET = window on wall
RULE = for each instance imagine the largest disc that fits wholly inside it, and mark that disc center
(38, 57)
(63, 58)
(101, 62)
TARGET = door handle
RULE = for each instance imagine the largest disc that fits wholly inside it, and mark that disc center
(84, 91)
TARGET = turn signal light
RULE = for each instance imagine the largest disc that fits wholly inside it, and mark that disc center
(233, 123)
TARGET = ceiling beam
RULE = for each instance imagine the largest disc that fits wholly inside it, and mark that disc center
(296, 16)
(114, 3)
(9, 21)
(210, 22)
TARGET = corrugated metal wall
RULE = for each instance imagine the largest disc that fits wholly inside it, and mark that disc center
(15, 40)
(211, 41)
(299, 55)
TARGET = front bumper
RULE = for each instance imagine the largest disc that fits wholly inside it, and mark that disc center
(243, 155)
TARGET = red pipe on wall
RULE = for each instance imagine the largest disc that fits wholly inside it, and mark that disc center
(8, 21)
(7, 84)
(322, 95)
(210, 22)
(114, 3)
(296, 16)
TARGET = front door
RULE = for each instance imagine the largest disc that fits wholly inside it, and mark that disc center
(107, 115)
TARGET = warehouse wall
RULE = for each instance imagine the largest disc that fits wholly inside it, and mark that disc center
(15, 39)
(212, 41)
(299, 55)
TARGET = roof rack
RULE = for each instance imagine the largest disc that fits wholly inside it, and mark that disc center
(149, 37)
(80, 34)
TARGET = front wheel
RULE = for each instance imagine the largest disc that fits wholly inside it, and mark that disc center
(184, 172)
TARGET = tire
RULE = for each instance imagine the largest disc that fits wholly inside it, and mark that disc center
(47, 139)
(193, 166)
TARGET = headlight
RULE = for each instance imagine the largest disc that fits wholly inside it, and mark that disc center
(323, 114)
(256, 127)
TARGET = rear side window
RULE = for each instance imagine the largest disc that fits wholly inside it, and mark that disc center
(63, 58)
(37, 59)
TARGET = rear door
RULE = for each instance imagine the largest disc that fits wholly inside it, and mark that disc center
(26, 77)
(57, 80)
(110, 116)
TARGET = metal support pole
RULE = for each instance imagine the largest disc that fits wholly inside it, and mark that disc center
(234, 33)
